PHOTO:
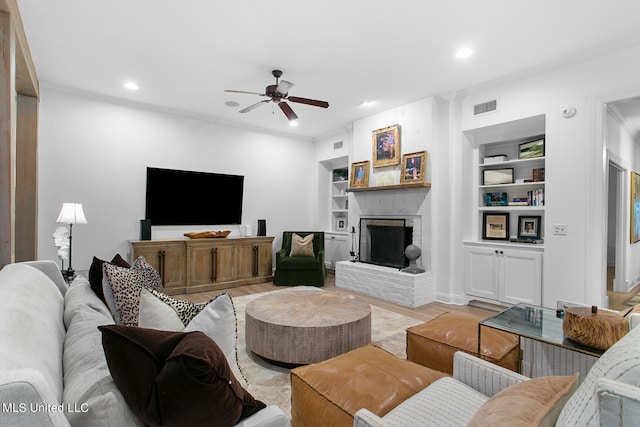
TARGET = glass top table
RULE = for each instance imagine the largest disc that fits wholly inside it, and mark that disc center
(537, 323)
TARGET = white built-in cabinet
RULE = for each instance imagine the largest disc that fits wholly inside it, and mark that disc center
(504, 271)
(336, 248)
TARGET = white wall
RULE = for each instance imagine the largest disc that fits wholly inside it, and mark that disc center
(96, 152)
(575, 172)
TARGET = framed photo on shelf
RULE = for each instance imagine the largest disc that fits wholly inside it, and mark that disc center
(495, 199)
(413, 167)
(497, 176)
(495, 226)
(529, 227)
(635, 207)
(359, 174)
(532, 149)
(386, 146)
(340, 174)
(341, 224)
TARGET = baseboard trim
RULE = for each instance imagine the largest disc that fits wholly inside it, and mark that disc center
(487, 305)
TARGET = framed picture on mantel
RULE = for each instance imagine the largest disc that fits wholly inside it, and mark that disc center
(359, 174)
(386, 146)
(413, 167)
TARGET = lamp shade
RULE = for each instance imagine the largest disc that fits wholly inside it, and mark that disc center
(72, 213)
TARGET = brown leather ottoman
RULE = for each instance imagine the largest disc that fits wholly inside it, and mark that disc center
(432, 344)
(329, 393)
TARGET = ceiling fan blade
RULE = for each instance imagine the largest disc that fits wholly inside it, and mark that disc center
(286, 109)
(308, 101)
(284, 87)
(244, 91)
(254, 106)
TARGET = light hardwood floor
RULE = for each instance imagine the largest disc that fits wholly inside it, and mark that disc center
(425, 312)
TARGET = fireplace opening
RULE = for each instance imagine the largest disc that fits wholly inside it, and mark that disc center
(383, 241)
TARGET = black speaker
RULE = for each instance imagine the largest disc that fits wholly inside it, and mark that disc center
(262, 227)
(145, 229)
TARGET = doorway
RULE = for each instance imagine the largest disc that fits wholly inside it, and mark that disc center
(616, 290)
(621, 136)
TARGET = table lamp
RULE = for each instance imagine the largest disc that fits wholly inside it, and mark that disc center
(71, 213)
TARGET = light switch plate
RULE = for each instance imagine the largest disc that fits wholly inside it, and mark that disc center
(560, 229)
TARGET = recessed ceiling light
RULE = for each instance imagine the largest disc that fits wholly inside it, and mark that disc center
(232, 104)
(464, 52)
(131, 86)
(367, 103)
(293, 123)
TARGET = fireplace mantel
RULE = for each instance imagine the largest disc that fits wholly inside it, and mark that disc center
(392, 187)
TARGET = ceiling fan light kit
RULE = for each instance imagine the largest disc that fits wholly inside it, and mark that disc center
(279, 94)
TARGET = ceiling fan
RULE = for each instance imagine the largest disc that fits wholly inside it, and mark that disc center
(279, 94)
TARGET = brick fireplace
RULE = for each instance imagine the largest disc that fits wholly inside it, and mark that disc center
(389, 283)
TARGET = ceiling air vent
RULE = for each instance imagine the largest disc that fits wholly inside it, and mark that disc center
(485, 107)
(337, 145)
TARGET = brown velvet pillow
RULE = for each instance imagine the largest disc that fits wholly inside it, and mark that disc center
(302, 246)
(175, 378)
(536, 402)
(95, 273)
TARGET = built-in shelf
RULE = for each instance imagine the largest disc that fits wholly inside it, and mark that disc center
(392, 187)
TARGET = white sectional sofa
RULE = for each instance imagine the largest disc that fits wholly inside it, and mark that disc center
(53, 371)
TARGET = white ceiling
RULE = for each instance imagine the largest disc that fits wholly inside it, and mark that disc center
(184, 54)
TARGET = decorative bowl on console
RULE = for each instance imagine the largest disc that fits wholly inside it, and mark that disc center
(208, 234)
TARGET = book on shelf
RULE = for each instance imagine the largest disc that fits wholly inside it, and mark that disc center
(519, 201)
(536, 197)
(538, 174)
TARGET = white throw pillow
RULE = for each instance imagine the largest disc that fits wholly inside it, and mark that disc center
(218, 322)
(156, 314)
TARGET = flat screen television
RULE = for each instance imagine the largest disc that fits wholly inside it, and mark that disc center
(179, 197)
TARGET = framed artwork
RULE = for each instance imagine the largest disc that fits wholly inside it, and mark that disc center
(341, 224)
(497, 176)
(495, 199)
(413, 167)
(635, 207)
(495, 226)
(340, 174)
(386, 146)
(359, 174)
(532, 149)
(529, 227)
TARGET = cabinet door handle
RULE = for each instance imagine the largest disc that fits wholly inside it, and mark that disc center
(256, 259)
(161, 255)
(214, 266)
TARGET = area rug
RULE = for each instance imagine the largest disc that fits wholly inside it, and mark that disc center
(271, 383)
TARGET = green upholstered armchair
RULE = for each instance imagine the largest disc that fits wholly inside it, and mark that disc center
(300, 270)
